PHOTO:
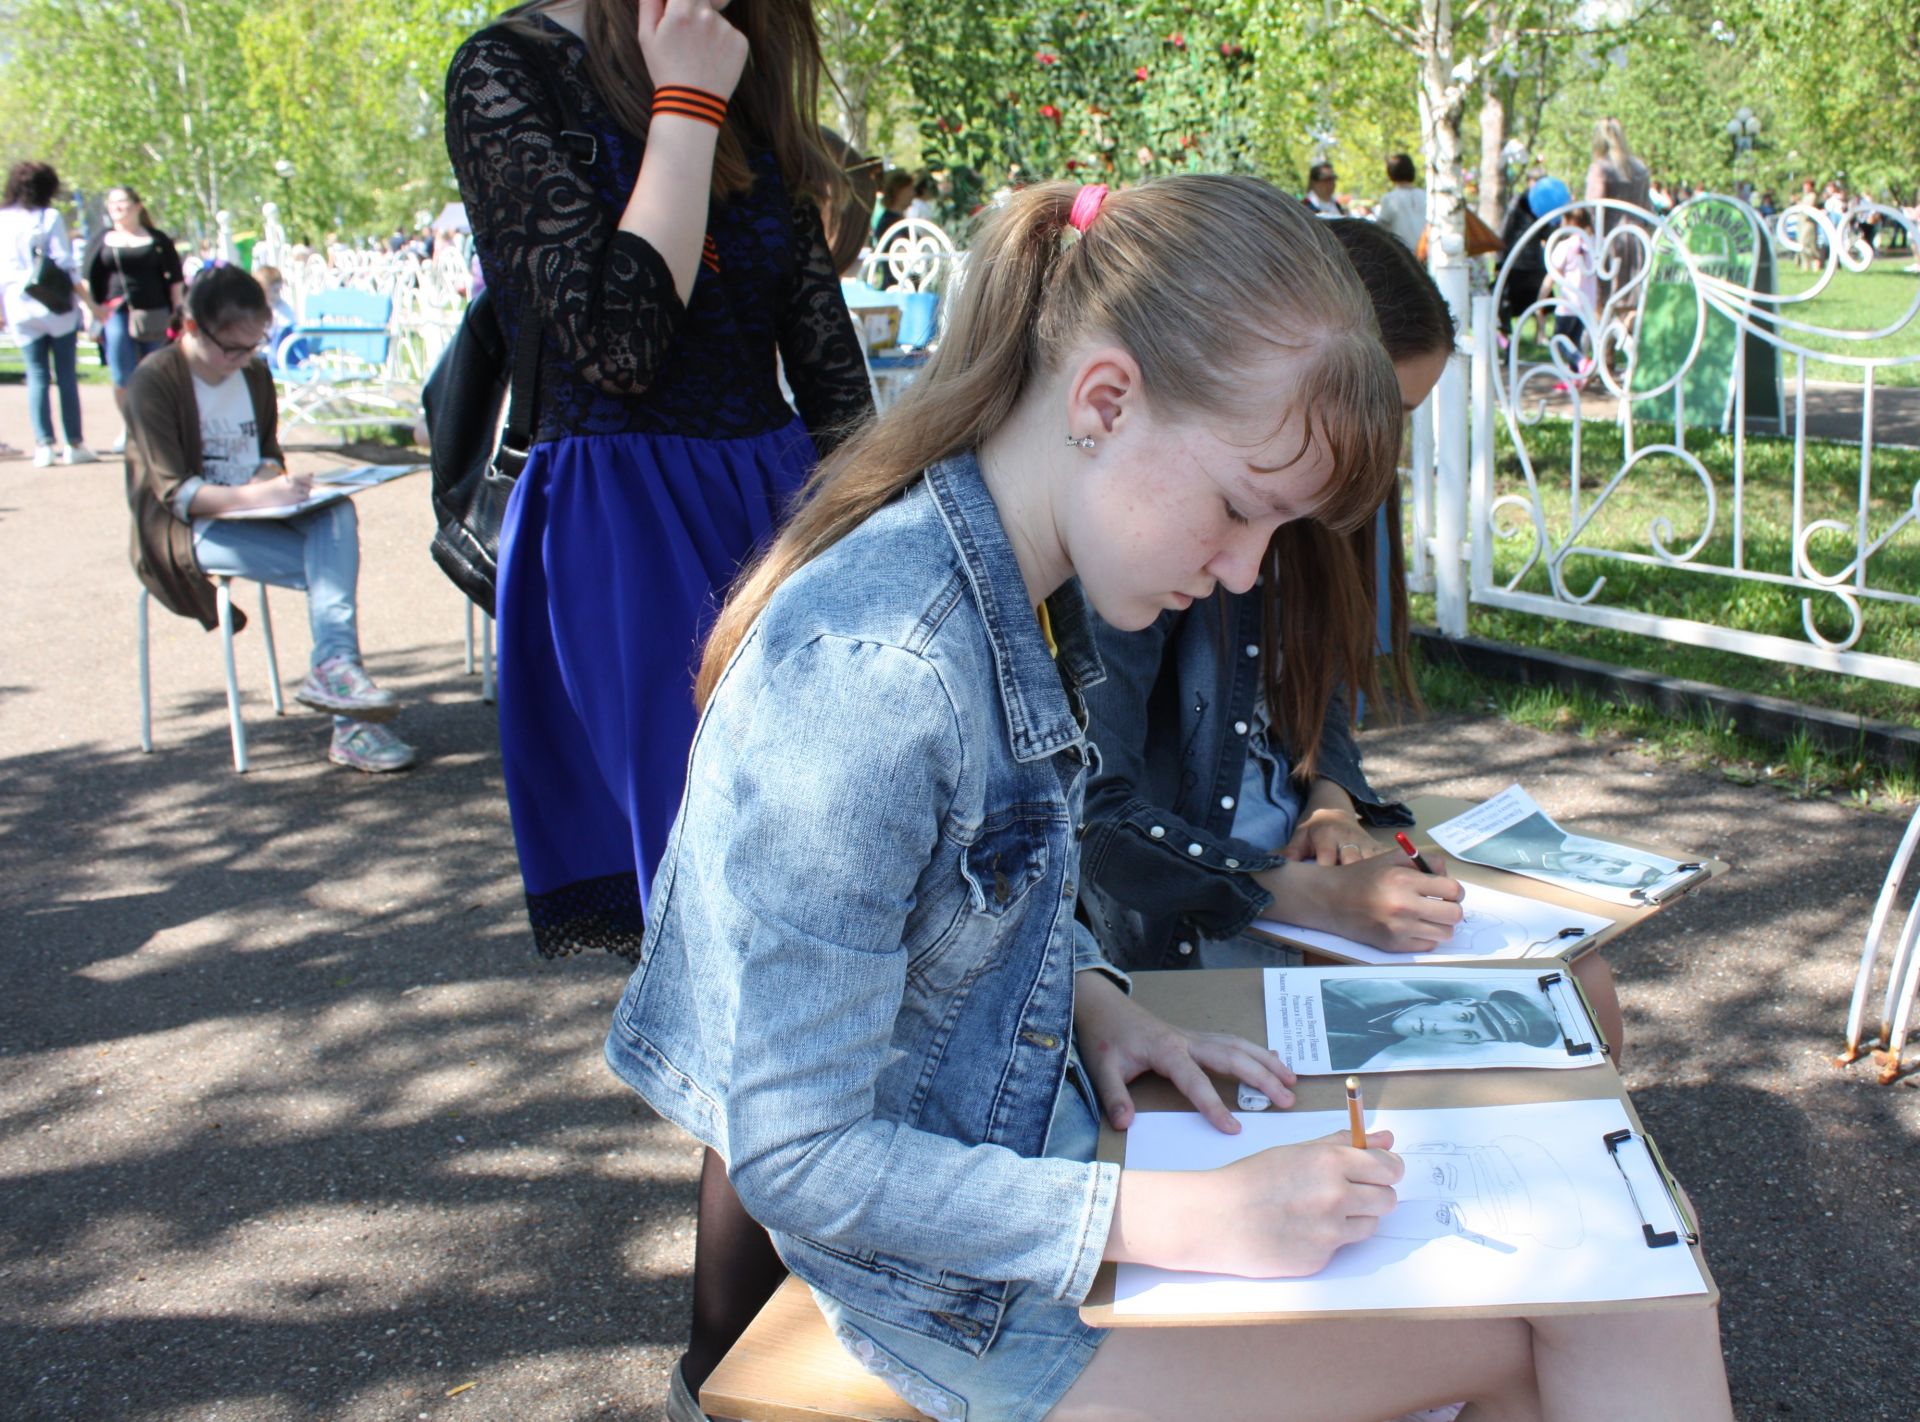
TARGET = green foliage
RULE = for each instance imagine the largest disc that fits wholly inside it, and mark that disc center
(1109, 92)
(193, 102)
(1845, 74)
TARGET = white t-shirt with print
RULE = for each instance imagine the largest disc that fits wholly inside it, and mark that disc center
(229, 434)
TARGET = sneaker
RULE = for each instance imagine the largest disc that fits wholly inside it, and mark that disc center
(78, 454)
(341, 685)
(43, 456)
(362, 745)
(119, 445)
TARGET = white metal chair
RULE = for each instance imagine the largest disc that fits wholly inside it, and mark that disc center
(486, 650)
(223, 592)
(1903, 974)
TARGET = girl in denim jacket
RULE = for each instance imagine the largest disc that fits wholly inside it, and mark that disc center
(863, 982)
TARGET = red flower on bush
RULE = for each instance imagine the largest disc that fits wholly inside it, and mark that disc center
(1048, 111)
(1046, 57)
(1073, 165)
(1177, 40)
(1140, 74)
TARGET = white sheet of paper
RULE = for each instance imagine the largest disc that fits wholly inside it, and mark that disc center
(330, 487)
(1512, 832)
(1320, 1037)
(1497, 925)
(1502, 1206)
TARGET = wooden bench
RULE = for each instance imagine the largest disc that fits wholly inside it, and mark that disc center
(788, 1368)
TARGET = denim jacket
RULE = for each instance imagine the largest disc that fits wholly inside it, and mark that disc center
(857, 979)
(1172, 720)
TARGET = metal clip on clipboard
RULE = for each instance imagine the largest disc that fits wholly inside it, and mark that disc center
(1691, 874)
(1656, 1239)
(1548, 982)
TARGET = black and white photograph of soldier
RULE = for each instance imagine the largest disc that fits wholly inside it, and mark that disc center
(1384, 1024)
(1536, 845)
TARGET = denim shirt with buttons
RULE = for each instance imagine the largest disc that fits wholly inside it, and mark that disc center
(1160, 866)
(857, 979)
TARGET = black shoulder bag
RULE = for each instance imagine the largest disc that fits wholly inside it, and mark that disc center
(474, 452)
(51, 286)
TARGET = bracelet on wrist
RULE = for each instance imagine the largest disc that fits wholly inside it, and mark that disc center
(688, 102)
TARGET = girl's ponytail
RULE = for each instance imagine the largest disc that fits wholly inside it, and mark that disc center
(985, 360)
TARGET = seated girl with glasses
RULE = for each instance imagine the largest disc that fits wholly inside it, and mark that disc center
(201, 443)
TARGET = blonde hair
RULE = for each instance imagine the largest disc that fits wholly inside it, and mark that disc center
(772, 106)
(1610, 144)
(1271, 279)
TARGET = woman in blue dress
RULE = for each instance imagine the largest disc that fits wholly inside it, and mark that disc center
(670, 259)
(659, 215)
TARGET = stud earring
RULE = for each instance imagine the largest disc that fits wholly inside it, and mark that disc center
(1084, 441)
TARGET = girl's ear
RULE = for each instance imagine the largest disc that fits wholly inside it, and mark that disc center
(1104, 390)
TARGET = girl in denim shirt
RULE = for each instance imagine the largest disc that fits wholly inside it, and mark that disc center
(863, 982)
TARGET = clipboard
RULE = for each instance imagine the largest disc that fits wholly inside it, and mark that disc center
(1231, 1000)
(1430, 810)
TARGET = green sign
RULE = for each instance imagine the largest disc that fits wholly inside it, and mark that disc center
(1718, 238)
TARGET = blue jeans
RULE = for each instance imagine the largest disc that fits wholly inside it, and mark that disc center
(318, 552)
(50, 358)
(123, 351)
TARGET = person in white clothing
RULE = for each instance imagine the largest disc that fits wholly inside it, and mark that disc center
(1403, 209)
(47, 334)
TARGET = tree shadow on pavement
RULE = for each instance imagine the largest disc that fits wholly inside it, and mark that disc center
(293, 1121)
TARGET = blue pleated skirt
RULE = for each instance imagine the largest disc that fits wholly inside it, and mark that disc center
(615, 554)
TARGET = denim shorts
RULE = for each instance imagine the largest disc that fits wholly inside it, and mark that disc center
(1038, 1352)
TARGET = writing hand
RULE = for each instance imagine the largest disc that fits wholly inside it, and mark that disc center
(690, 42)
(1119, 1040)
(283, 489)
(1286, 1210)
(1382, 901)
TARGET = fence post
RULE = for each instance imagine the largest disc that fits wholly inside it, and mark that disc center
(1450, 419)
(1480, 452)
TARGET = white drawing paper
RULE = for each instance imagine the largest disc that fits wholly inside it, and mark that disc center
(1501, 1207)
(1497, 925)
(330, 487)
(1331, 1021)
(1511, 832)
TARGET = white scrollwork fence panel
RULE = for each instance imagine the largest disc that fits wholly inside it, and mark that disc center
(1673, 311)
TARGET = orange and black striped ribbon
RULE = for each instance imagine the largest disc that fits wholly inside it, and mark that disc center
(710, 255)
(688, 102)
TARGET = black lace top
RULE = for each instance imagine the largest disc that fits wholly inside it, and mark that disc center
(621, 353)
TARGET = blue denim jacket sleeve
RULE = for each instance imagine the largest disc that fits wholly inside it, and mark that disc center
(858, 744)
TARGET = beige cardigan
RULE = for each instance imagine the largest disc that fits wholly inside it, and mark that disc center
(163, 452)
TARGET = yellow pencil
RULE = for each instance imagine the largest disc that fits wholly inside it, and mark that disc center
(1356, 1114)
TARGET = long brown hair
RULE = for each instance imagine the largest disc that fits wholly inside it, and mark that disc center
(772, 106)
(1271, 279)
(1321, 590)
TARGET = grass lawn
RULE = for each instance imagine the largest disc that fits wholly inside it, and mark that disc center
(1663, 488)
(1857, 301)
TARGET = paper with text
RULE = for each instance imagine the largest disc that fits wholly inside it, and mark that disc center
(1329, 1021)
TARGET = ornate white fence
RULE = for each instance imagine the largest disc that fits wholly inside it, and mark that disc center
(1688, 343)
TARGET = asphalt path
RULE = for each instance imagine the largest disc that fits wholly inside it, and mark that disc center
(294, 1124)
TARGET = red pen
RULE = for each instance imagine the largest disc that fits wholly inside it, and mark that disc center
(1400, 839)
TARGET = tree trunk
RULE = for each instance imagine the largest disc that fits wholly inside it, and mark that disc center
(1441, 100)
(1493, 140)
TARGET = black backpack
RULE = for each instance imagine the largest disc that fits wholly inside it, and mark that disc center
(473, 459)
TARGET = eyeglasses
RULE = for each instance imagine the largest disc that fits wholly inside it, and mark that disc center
(240, 352)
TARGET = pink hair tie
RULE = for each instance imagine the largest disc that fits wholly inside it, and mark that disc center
(1086, 206)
